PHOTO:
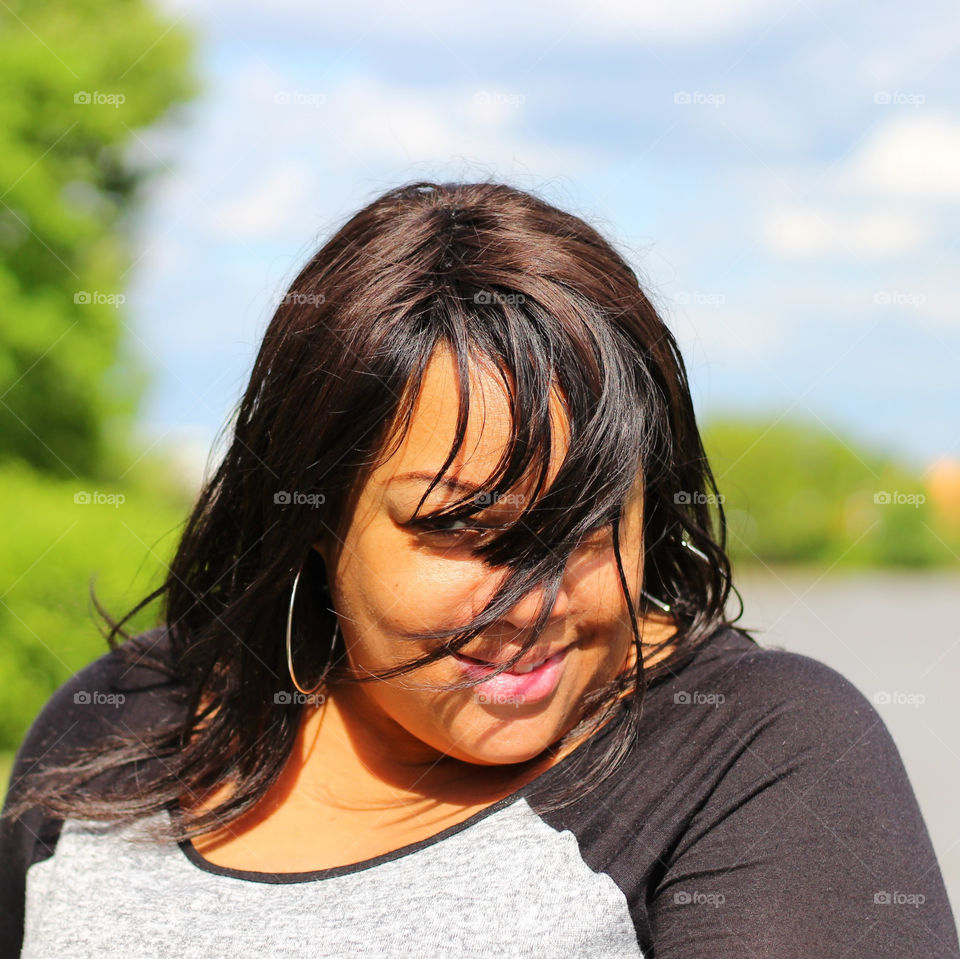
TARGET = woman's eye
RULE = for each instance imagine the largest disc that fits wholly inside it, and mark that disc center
(450, 529)
(445, 525)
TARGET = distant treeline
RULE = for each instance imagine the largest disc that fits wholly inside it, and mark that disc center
(796, 492)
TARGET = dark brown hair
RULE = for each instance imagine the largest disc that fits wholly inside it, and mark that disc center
(492, 273)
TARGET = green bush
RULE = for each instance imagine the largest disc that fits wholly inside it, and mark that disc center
(795, 492)
(81, 81)
(6, 761)
(58, 535)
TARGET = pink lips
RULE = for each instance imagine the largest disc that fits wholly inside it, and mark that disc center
(514, 688)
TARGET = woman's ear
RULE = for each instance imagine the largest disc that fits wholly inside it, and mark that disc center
(322, 546)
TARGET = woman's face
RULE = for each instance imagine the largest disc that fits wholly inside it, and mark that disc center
(387, 580)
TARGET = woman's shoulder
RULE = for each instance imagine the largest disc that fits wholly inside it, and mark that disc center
(748, 673)
(760, 772)
(735, 691)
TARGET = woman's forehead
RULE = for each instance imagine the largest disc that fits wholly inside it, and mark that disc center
(433, 424)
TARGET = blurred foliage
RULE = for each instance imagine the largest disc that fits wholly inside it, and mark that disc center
(80, 81)
(795, 492)
(6, 762)
(59, 535)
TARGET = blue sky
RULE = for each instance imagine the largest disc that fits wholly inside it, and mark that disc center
(784, 177)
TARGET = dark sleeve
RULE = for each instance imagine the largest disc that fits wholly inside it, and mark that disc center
(80, 712)
(23, 841)
(811, 841)
(32, 836)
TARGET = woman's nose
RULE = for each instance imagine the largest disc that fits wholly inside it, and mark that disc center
(524, 612)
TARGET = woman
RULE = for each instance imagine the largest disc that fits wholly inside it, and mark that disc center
(444, 665)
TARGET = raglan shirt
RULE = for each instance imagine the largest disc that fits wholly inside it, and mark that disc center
(764, 811)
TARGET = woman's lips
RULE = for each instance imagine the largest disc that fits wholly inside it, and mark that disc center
(514, 688)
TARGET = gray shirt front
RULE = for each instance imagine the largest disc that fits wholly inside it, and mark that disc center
(507, 885)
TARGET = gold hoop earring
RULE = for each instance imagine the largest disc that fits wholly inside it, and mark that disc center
(333, 642)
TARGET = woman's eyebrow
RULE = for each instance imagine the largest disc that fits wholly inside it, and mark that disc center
(498, 503)
(448, 482)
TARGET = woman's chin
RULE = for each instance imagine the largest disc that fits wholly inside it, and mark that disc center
(505, 747)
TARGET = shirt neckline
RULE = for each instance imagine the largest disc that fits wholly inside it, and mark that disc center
(535, 784)
(331, 872)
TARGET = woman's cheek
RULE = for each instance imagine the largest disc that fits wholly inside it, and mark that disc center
(445, 590)
(421, 595)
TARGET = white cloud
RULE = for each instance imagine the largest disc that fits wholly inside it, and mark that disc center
(438, 21)
(797, 232)
(381, 121)
(352, 128)
(727, 334)
(483, 127)
(688, 20)
(928, 296)
(915, 155)
(269, 208)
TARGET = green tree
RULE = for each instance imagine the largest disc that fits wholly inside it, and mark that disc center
(81, 80)
(796, 492)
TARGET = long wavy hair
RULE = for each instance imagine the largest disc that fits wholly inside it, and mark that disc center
(489, 272)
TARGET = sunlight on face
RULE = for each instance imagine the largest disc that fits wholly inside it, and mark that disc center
(387, 580)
